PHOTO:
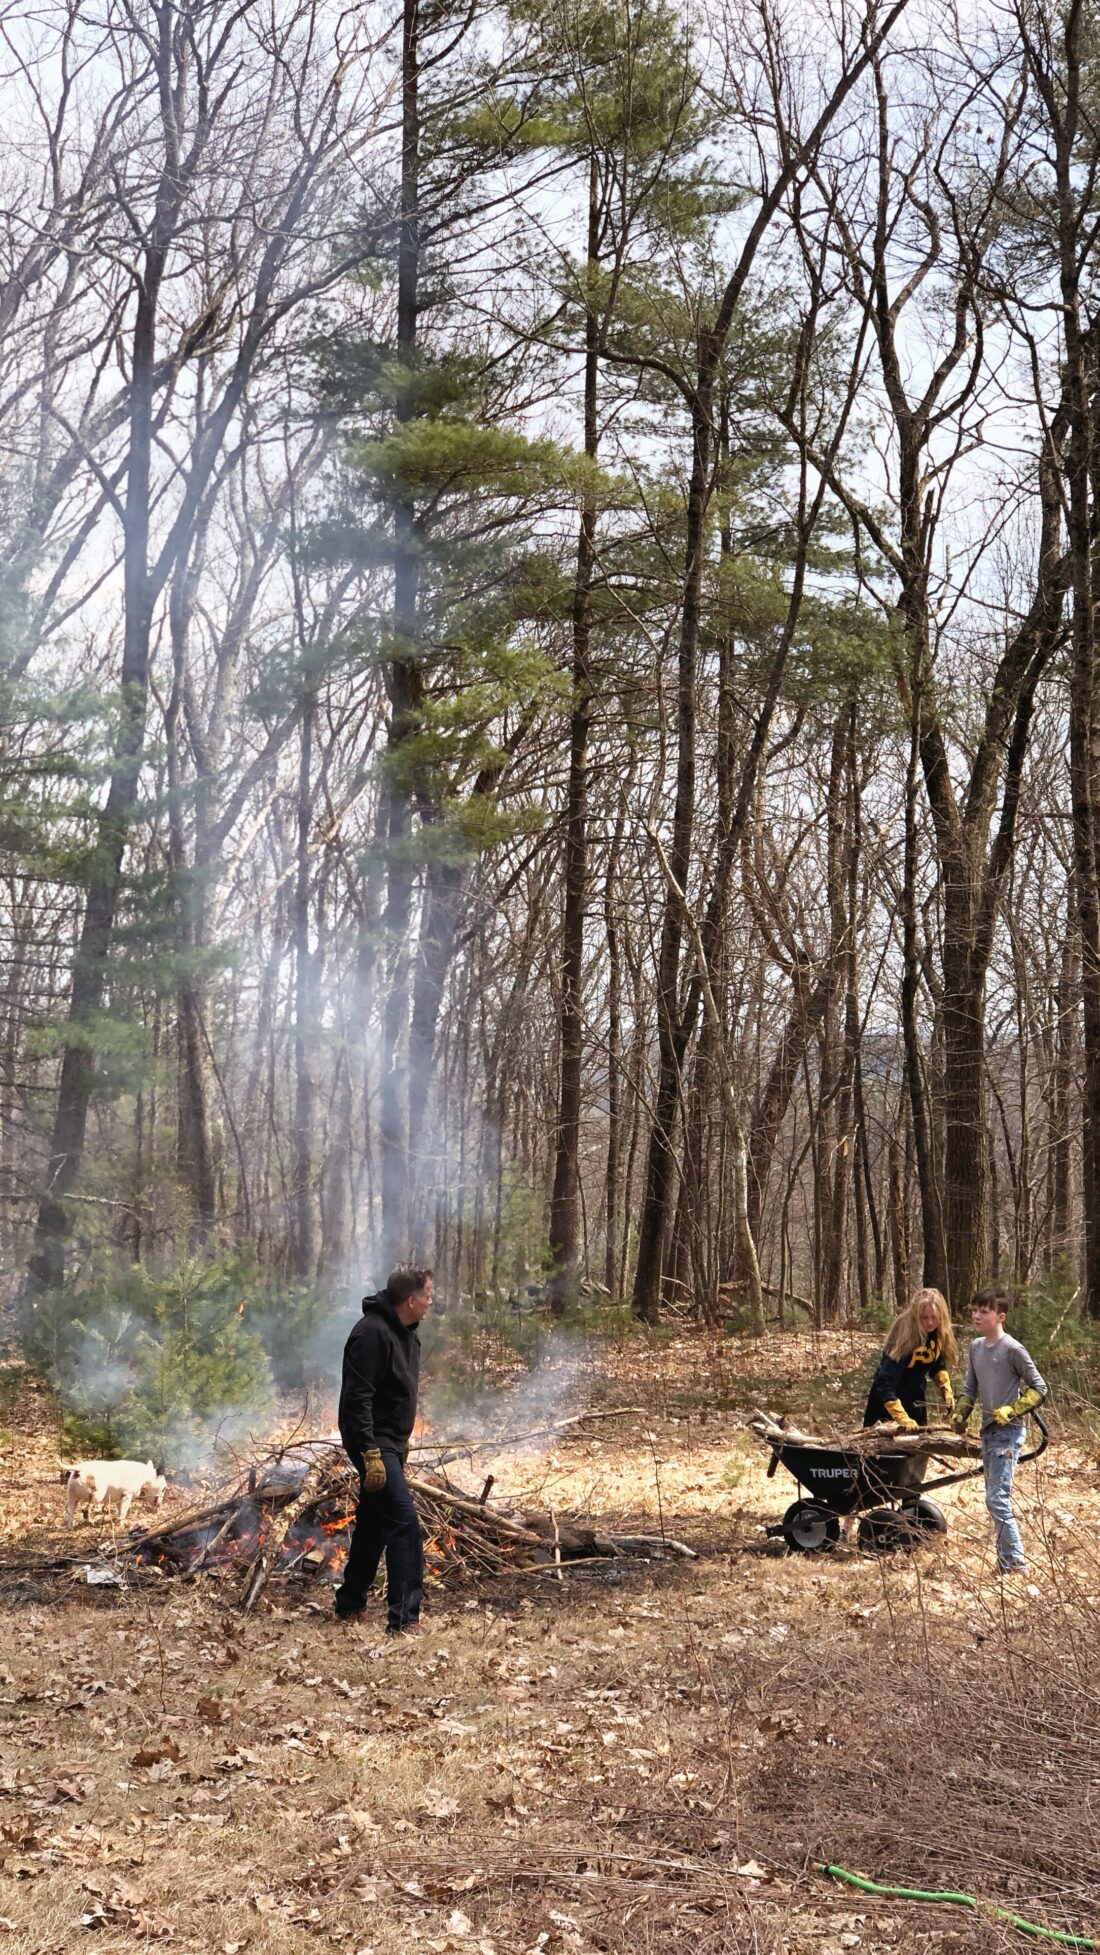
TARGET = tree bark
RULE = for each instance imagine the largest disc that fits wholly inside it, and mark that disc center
(932, 1242)
(1062, 96)
(564, 1198)
(404, 680)
(303, 1229)
(104, 881)
(671, 1039)
(612, 1170)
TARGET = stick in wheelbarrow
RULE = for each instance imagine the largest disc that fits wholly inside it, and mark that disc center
(885, 1437)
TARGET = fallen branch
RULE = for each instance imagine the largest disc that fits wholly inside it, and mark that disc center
(554, 1568)
(261, 1567)
(180, 1525)
(213, 1543)
(632, 1543)
(487, 1516)
(769, 1290)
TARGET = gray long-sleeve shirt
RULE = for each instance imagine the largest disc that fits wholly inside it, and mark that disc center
(997, 1374)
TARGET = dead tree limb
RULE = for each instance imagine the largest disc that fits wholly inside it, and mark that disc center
(263, 1563)
(487, 1516)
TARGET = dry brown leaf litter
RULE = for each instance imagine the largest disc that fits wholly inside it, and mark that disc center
(637, 1765)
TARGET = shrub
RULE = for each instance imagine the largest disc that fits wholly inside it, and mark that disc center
(153, 1363)
(303, 1331)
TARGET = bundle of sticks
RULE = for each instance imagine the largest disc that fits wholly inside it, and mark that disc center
(886, 1437)
(295, 1512)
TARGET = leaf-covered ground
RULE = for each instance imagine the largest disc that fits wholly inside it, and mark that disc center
(643, 1757)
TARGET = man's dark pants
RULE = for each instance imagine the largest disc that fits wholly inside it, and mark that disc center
(386, 1523)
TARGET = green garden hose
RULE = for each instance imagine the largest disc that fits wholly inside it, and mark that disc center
(958, 1900)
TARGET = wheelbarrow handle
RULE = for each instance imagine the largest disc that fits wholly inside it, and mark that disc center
(973, 1472)
(1044, 1438)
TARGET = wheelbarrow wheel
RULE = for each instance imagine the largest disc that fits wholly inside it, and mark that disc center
(807, 1527)
(885, 1530)
(882, 1531)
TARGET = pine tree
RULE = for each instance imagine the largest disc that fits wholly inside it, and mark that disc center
(443, 491)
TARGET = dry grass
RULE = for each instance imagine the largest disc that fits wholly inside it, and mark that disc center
(646, 1763)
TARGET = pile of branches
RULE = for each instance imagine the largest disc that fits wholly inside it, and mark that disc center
(296, 1511)
(886, 1437)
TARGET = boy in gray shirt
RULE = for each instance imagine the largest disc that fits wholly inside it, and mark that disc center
(1006, 1379)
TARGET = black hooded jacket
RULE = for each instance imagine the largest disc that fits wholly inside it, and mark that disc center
(380, 1379)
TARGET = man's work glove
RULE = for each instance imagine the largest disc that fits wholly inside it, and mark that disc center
(943, 1380)
(374, 1471)
(1003, 1415)
(900, 1416)
(963, 1408)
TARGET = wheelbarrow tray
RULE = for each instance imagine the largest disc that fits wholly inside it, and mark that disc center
(836, 1481)
(849, 1483)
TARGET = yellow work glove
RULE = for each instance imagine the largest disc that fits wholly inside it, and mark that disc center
(944, 1382)
(374, 1471)
(963, 1408)
(1003, 1415)
(900, 1416)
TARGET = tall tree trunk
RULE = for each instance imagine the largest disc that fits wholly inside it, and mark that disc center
(863, 1172)
(194, 1152)
(965, 1151)
(104, 883)
(1063, 1069)
(899, 1221)
(803, 1020)
(404, 679)
(935, 1261)
(660, 1174)
(612, 1172)
(1081, 471)
(839, 1052)
(1024, 1203)
(336, 1204)
(303, 1224)
(564, 1198)
(443, 888)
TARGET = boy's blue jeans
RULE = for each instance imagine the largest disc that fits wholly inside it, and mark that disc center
(1001, 1447)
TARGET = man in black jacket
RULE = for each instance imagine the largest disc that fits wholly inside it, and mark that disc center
(377, 1409)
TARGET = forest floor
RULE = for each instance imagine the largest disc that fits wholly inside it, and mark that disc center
(639, 1757)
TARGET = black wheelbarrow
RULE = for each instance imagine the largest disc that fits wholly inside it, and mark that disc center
(894, 1508)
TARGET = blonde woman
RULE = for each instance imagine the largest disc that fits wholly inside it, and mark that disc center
(921, 1344)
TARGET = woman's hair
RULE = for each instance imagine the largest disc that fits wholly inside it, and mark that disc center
(906, 1333)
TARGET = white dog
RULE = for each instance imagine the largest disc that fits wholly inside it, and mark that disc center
(111, 1483)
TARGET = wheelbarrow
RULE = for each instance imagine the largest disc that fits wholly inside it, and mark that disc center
(895, 1512)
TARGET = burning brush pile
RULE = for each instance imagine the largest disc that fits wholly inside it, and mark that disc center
(293, 1515)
